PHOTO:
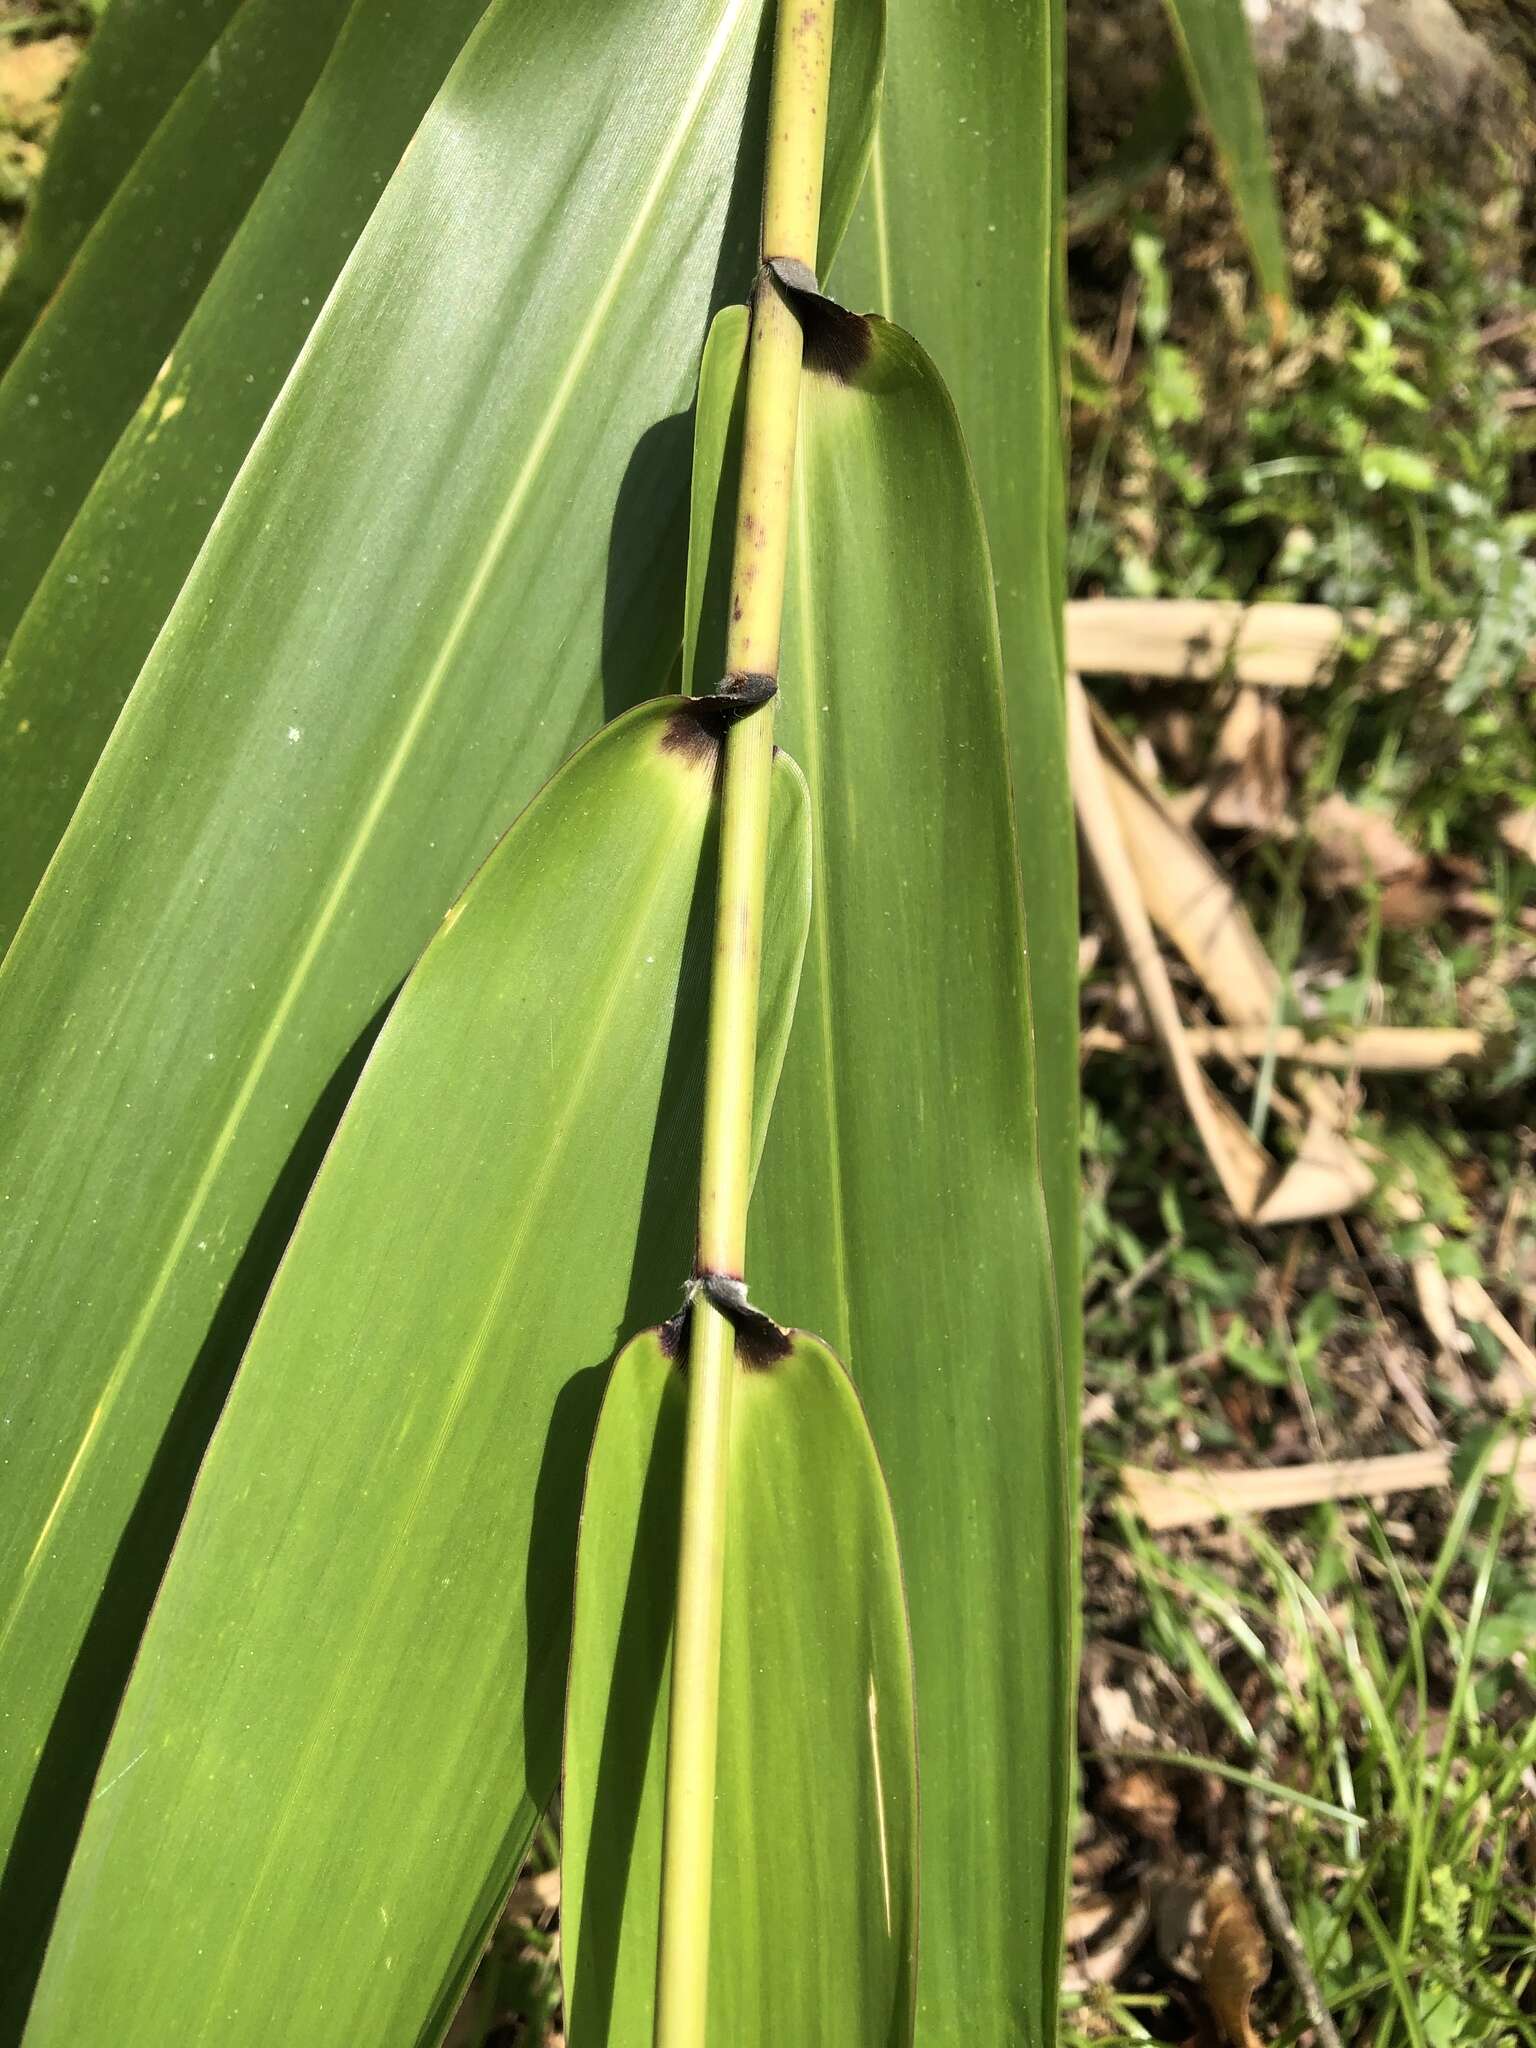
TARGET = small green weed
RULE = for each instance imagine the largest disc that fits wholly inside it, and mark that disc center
(1391, 1770)
(1374, 463)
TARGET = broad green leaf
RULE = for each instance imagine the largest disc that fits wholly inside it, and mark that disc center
(111, 582)
(92, 355)
(140, 55)
(107, 589)
(452, 541)
(345, 1717)
(814, 1915)
(1217, 50)
(958, 238)
(900, 1205)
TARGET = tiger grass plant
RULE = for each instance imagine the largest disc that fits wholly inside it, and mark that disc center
(409, 987)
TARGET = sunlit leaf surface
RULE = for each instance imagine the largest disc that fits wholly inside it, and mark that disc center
(345, 1716)
(813, 1922)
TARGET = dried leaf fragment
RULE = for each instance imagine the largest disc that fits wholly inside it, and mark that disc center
(30, 76)
(1146, 1803)
(1250, 790)
(1518, 832)
(1234, 1959)
(1353, 847)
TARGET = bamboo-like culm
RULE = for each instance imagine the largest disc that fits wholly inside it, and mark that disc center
(797, 122)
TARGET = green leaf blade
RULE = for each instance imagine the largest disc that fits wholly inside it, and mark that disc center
(814, 1911)
(344, 1719)
(957, 237)
(901, 1205)
(140, 55)
(382, 652)
(1218, 55)
(94, 615)
(108, 587)
(95, 351)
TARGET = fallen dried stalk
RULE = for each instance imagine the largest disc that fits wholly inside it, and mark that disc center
(1379, 1049)
(1180, 889)
(1241, 1165)
(1191, 1499)
(1279, 646)
(1474, 1304)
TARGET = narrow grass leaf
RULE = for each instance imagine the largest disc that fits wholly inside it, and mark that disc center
(448, 547)
(900, 1207)
(1217, 50)
(344, 1720)
(813, 1924)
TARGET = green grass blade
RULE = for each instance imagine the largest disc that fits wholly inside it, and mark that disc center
(1217, 50)
(956, 236)
(104, 596)
(813, 1926)
(344, 1720)
(93, 354)
(140, 55)
(900, 1206)
(449, 545)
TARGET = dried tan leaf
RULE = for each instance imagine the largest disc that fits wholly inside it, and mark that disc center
(1432, 1291)
(1119, 1938)
(31, 75)
(1144, 1802)
(1518, 832)
(1353, 847)
(1473, 1304)
(1242, 1166)
(1327, 1175)
(1186, 894)
(1234, 1959)
(1250, 788)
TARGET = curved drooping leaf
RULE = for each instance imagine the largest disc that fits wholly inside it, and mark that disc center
(958, 238)
(91, 356)
(1217, 50)
(814, 1915)
(116, 573)
(900, 1205)
(451, 541)
(140, 55)
(344, 1719)
(104, 596)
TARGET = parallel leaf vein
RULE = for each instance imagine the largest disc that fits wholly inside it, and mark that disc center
(815, 782)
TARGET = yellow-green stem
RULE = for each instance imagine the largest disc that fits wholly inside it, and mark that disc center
(797, 124)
